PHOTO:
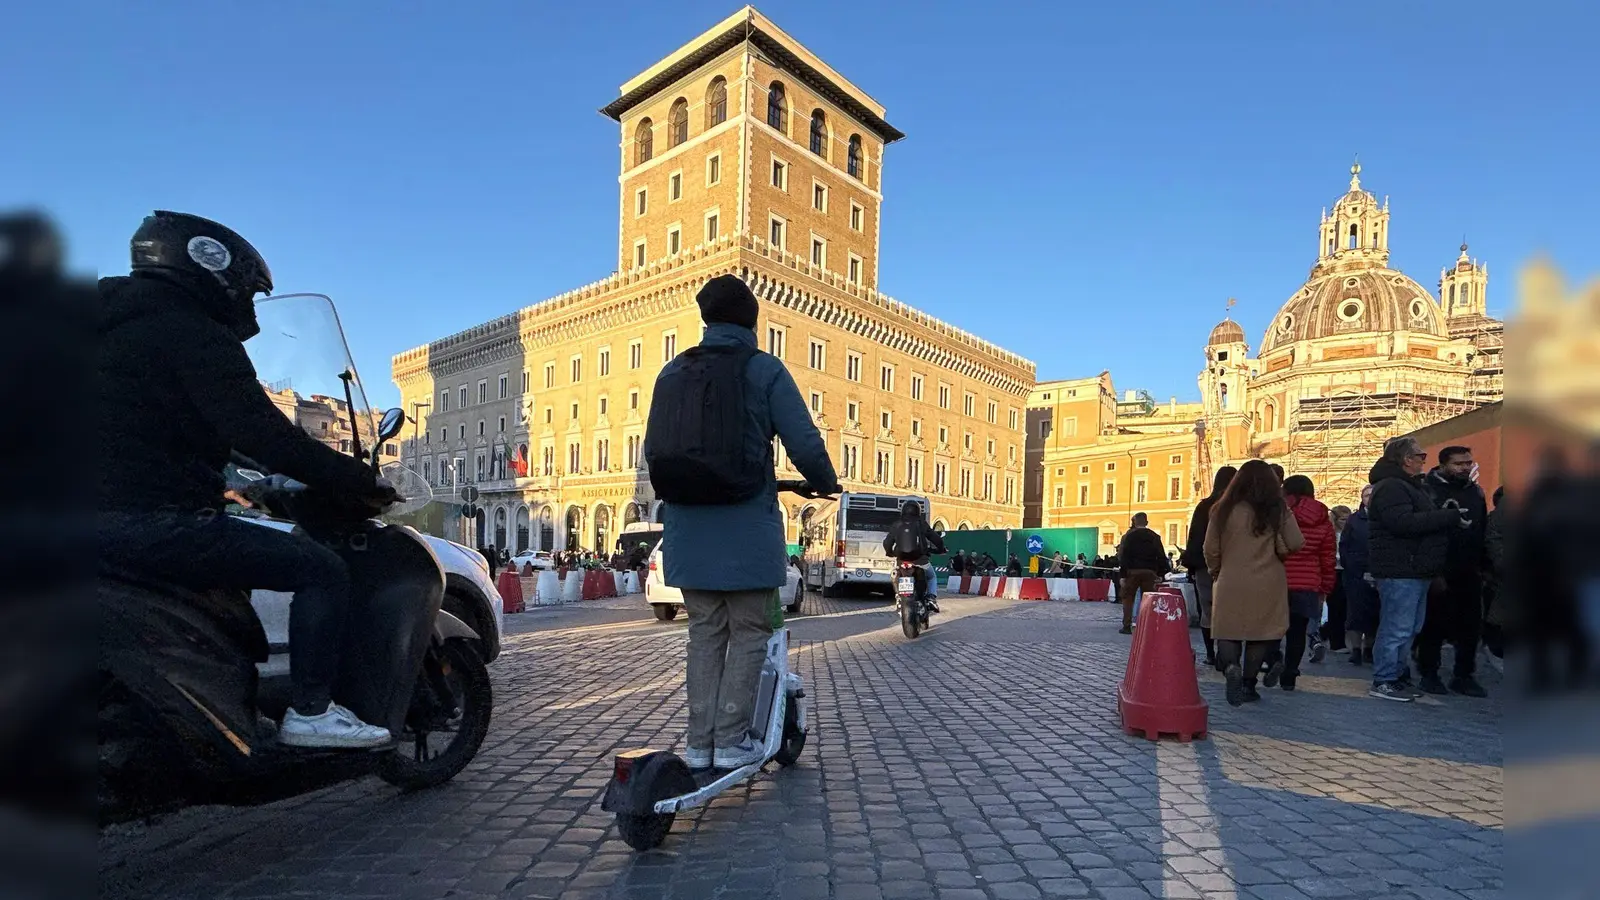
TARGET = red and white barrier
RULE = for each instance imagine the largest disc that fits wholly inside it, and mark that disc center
(1035, 588)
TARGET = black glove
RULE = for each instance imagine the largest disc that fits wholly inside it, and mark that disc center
(383, 493)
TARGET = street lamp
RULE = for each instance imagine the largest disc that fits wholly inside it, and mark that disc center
(416, 431)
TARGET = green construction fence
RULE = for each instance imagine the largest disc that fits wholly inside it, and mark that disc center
(1069, 541)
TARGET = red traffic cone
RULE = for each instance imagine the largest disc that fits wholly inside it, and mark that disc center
(1160, 693)
(510, 585)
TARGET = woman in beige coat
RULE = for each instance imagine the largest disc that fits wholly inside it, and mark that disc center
(1250, 533)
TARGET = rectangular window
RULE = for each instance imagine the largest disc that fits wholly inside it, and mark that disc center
(1111, 467)
(1111, 494)
(461, 396)
(1175, 488)
(713, 227)
(1070, 427)
(549, 414)
(854, 273)
(1044, 430)
(714, 169)
(944, 396)
(1083, 495)
(483, 391)
(674, 240)
(633, 451)
(639, 255)
(989, 448)
(549, 461)
(857, 216)
(502, 425)
(524, 381)
(641, 201)
(602, 455)
(852, 366)
(574, 458)
(969, 403)
(444, 401)
(885, 419)
(1061, 499)
(604, 406)
(478, 468)
(1172, 534)
(819, 355)
(461, 432)
(633, 399)
(916, 387)
(944, 436)
(916, 428)
(1011, 418)
(505, 386)
(1083, 470)
(941, 474)
(780, 174)
(886, 378)
(1141, 490)
(914, 473)
(574, 409)
(819, 196)
(775, 340)
(885, 467)
(777, 232)
(816, 402)
(819, 252)
(852, 462)
(988, 485)
(605, 362)
(852, 412)
(993, 412)
(577, 369)
(1142, 464)
(675, 186)
(669, 346)
(635, 354)
(966, 482)
(481, 427)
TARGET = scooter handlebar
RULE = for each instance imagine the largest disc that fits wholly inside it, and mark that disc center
(803, 488)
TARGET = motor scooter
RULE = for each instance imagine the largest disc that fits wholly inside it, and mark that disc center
(911, 597)
(186, 718)
(650, 787)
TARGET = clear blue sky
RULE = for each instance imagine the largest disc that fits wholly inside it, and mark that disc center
(1084, 184)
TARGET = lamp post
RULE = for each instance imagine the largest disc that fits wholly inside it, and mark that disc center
(416, 429)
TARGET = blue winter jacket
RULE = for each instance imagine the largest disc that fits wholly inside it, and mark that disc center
(741, 546)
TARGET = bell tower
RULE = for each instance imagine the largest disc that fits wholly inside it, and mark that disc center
(1463, 288)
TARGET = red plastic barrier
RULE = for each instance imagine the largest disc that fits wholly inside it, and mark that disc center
(998, 587)
(1160, 693)
(1094, 589)
(1034, 589)
(527, 570)
(983, 586)
(510, 587)
(966, 585)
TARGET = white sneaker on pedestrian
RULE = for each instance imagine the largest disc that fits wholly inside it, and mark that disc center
(337, 728)
(697, 758)
(746, 752)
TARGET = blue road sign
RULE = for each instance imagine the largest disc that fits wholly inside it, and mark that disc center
(1035, 544)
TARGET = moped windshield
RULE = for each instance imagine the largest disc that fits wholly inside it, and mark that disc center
(304, 365)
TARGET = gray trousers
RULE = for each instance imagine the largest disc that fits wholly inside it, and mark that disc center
(728, 633)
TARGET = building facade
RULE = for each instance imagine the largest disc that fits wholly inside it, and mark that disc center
(1358, 354)
(741, 153)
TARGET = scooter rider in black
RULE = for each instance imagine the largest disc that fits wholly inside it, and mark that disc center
(911, 540)
(177, 394)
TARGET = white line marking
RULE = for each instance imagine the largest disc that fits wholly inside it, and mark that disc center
(1191, 839)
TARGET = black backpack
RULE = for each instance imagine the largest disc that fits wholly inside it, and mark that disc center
(695, 439)
(908, 542)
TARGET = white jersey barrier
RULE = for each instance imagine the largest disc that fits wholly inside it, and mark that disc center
(548, 592)
(572, 586)
(630, 582)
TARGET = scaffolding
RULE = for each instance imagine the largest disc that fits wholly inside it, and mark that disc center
(1335, 438)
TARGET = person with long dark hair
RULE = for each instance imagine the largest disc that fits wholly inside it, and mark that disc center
(1194, 555)
(1250, 533)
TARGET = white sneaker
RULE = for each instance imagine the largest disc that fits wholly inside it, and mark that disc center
(696, 758)
(744, 753)
(336, 728)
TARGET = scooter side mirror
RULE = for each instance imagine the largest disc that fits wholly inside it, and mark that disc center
(393, 420)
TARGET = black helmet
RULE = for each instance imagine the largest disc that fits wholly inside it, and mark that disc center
(209, 257)
(30, 247)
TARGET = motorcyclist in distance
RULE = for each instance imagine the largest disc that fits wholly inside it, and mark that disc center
(911, 540)
(178, 395)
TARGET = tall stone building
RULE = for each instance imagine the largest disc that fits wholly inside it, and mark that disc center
(741, 152)
(1357, 354)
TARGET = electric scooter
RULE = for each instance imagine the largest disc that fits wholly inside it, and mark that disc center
(650, 787)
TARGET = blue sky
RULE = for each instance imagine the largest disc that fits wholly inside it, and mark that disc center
(1084, 184)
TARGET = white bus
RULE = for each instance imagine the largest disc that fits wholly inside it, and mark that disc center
(853, 529)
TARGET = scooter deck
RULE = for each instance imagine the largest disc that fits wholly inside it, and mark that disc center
(710, 782)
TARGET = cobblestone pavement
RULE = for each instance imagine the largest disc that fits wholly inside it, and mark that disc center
(982, 761)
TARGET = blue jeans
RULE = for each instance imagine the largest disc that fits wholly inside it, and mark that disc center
(1402, 609)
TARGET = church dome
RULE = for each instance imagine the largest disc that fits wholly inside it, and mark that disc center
(1227, 332)
(1376, 299)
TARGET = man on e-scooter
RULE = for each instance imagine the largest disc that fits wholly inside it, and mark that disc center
(912, 540)
(708, 447)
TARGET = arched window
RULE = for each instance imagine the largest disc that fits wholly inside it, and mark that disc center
(819, 134)
(1330, 246)
(1355, 237)
(678, 123)
(1452, 295)
(1225, 404)
(643, 143)
(853, 159)
(777, 112)
(717, 102)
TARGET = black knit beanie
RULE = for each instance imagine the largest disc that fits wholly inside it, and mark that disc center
(727, 298)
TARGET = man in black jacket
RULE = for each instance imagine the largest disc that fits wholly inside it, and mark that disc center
(1408, 546)
(1455, 608)
(912, 540)
(178, 395)
(1142, 560)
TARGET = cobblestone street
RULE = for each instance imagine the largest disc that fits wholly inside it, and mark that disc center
(983, 760)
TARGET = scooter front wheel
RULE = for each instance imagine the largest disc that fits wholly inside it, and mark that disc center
(414, 764)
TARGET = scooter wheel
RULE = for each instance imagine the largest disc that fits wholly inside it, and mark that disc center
(910, 620)
(794, 740)
(644, 831)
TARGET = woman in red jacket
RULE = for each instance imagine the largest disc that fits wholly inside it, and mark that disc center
(1310, 572)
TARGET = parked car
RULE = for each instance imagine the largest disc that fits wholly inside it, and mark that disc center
(666, 600)
(539, 559)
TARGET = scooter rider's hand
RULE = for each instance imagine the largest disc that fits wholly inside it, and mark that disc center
(383, 494)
